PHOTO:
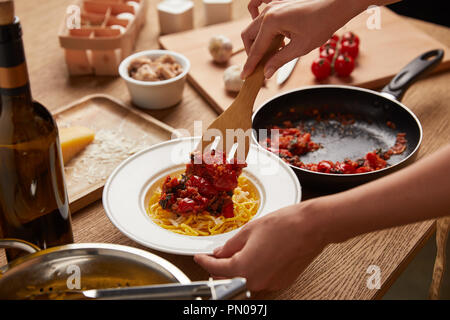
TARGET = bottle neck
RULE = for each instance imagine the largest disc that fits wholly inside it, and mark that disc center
(13, 70)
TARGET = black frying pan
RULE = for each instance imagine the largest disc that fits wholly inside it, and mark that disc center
(371, 111)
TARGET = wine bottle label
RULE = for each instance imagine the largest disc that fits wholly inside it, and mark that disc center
(14, 77)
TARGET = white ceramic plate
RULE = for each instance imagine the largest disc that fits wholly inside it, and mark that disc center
(124, 195)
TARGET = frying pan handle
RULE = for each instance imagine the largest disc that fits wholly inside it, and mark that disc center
(412, 72)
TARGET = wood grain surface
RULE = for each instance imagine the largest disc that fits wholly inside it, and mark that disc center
(340, 271)
(382, 54)
(120, 132)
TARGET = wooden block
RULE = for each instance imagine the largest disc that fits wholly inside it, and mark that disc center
(78, 62)
(89, 18)
(104, 47)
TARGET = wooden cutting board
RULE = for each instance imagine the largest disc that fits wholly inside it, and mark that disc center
(383, 53)
(120, 131)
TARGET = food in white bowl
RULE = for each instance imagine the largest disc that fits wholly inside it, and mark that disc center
(155, 78)
(162, 68)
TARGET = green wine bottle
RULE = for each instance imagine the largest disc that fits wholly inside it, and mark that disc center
(33, 199)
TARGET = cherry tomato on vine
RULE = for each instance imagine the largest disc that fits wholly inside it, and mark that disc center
(349, 47)
(321, 68)
(344, 65)
(350, 36)
(330, 43)
(335, 38)
(328, 54)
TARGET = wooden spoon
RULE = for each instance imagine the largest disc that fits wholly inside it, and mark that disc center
(237, 118)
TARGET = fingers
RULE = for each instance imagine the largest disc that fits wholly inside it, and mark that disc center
(221, 264)
(253, 6)
(249, 34)
(260, 45)
(217, 267)
(232, 246)
(286, 54)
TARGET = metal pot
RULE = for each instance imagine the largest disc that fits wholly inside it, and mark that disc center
(53, 272)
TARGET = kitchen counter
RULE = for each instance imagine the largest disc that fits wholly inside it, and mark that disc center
(340, 271)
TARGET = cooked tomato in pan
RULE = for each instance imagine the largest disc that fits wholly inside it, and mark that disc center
(293, 142)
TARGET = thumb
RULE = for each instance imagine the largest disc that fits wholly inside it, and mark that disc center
(286, 54)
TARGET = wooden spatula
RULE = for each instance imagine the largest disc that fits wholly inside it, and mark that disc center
(237, 118)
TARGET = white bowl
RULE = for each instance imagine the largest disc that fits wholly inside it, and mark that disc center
(155, 94)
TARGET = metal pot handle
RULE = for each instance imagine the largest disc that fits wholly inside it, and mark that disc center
(17, 244)
(410, 73)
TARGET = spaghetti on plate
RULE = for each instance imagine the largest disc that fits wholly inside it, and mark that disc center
(245, 201)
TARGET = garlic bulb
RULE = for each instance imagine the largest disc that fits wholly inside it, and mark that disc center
(220, 48)
(232, 78)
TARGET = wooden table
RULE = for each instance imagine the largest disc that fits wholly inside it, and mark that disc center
(340, 271)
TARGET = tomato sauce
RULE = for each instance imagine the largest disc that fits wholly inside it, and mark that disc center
(207, 185)
(294, 142)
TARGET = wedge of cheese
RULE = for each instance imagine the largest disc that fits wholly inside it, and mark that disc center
(73, 140)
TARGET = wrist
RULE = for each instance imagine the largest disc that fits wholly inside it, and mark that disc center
(344, 10)
(313, 215)
(323, 217)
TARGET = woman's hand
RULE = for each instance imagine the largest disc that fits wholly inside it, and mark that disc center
(269, 252)
(272, 251)
(307, 23)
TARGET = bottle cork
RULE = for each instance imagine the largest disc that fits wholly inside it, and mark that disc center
(6, 12)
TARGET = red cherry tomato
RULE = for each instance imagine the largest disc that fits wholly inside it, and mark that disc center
(346, 167)
(374, 161)
(363, 169)
(349, 47)
(328, 54)
(203, 186)
(186, 205)
(350, 36)
(335, 38)
(325, 166)
(330, 43)
(344, 65)
(227, 210)
(321, 68)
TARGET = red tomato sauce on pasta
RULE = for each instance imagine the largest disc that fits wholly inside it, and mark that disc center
(207, 185)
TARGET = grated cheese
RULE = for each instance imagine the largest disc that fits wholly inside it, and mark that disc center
(95, 163)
